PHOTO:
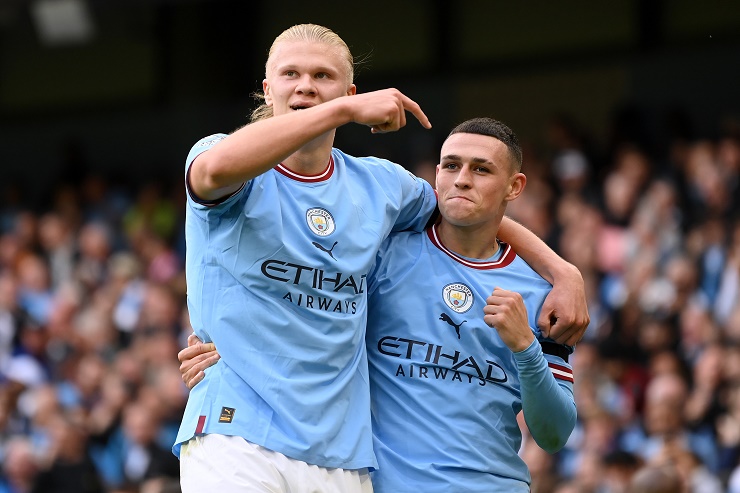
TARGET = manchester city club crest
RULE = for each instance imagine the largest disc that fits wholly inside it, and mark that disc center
(458, 297)
(320, 221)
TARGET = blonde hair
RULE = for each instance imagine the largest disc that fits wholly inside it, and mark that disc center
(311, 33)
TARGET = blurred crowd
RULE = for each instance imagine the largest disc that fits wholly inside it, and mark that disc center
(655, 231)
(93, 313)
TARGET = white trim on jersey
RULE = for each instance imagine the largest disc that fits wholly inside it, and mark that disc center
(561, 372)
(324, 175)
(506, 257)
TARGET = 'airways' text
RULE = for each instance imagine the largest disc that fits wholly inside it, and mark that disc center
(321, 303)
(437, 373)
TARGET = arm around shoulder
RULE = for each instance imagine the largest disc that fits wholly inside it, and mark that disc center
(564, 316)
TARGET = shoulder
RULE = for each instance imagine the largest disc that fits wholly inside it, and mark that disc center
(522, 278)
(209, 141)
(203, 145)
(522, 268)
(372, 164)
(400, 247)
(403, 238)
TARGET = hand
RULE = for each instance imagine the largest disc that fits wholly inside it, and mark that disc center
(505, 311)
(564, 315)
(195, 358)
(385, 110)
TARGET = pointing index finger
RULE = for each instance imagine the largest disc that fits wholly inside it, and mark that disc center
(411, 106)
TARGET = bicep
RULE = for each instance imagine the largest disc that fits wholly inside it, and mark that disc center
(201, 188)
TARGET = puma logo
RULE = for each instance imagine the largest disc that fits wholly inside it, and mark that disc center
(227, 415)
(447, 319)
(317, 245)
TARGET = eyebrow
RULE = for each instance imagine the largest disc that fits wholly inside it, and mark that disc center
(295, 66)
(475, 160)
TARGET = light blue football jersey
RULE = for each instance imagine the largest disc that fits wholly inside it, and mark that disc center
(445, 389)
(276, 278)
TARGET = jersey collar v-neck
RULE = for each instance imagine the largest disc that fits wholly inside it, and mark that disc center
(323, 176)
(503, 260)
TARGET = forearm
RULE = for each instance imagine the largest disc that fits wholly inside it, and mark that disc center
(258, 147)
(534, 251)
(549, 408)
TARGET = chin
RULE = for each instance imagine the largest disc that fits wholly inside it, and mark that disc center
(457, 215)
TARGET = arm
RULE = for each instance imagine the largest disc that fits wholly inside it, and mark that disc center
(256, 148)
(548, 404)
(549, 408)
(564, 316)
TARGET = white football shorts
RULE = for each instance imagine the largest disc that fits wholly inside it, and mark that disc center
(231, 464)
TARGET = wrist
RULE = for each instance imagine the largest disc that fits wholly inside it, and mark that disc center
(523, 344)
(341, 108)
(563, 271)
(531, 353)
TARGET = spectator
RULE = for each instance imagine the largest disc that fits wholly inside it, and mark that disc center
(653, 479)
(664, 423)
(19, 467)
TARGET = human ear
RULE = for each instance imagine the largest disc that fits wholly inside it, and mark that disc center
(516, 186)
(266, 92)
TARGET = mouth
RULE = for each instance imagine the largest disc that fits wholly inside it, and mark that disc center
(459, 197)
(299, 106)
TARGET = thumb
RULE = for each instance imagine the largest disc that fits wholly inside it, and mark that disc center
(546, 320)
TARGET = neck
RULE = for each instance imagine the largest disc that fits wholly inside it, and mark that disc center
(313, 157)
(478, 241)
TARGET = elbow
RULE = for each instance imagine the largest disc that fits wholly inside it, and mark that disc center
(551, 438)
(551, 445)
(208, 176)
(211, 171)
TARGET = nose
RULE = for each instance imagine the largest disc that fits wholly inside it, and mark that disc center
(306, 85)
(462, 180)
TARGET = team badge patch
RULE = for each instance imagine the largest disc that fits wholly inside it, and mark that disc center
(320, 221)
(227, 415)
(458, 297)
